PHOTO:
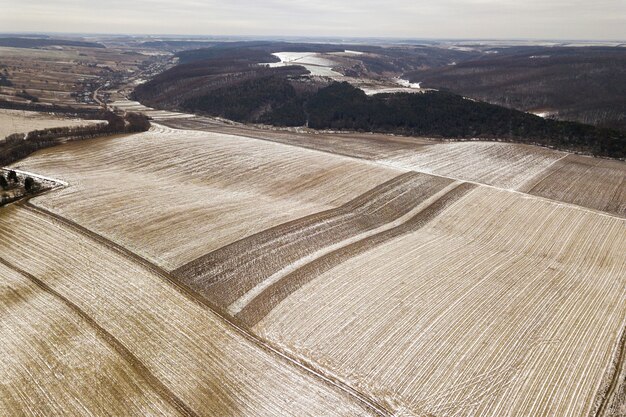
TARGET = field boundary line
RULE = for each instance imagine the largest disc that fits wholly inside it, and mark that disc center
(308, 222)
(155, 383)
(245, 299)
(41, 177)
(619, 368)
(308, 368)
(524, 194)
(527, 186)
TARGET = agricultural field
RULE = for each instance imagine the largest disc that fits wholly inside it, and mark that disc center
(370, 146)
(235, 274)
(504, 165)
(500, 305)
(205, 189)
(92, 330)
(595, 183)
(18, 121)
(315, 63)
(159, 115)
(240, 270)
(44, 339)
(67, 76)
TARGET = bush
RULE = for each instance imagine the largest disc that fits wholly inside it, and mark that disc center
(12, 176)
(29, 184)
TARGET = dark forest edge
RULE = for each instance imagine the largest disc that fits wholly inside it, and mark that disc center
(446, 115)
(580, 84)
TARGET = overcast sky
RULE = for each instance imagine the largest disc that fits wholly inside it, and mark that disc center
(536, 19)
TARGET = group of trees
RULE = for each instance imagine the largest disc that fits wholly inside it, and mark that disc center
(12, 181)
(11, 177)
(440, 114)
(272, 99)
(83, 113)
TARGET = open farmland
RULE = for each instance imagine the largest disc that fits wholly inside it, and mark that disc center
(501, 305)
(247, 271)
(235, 274)
(44, 339)
(313, 62)
(503, 165)
(67, 76)
(369, 146)
(189, 361)
(595, 183)
(18, 121)
(173, 196)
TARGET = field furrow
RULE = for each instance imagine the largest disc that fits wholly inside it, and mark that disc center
(257, 308)
(500, 305)
(225, 275)
(54, 362)
(183, 344)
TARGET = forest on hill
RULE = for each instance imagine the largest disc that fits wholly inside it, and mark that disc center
(228, 82)
(584, 84)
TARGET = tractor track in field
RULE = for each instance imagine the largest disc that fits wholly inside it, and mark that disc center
(265, 301)
(308, 368)
(226, 274)
(155, 383)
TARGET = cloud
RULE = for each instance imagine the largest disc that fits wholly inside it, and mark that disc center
(570, 19)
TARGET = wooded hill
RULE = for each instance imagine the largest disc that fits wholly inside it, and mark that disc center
(228, 82)
(584, 84)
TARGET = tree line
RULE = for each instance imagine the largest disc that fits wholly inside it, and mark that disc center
(446, 115)
(17, 146)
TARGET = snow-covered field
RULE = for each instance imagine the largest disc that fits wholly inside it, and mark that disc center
(204, 273)
(192, 192)
(19, 121)
(88, 330)
(504, 165)
(313, 62)
(135, 106)
(322, 65)
(500, 305)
